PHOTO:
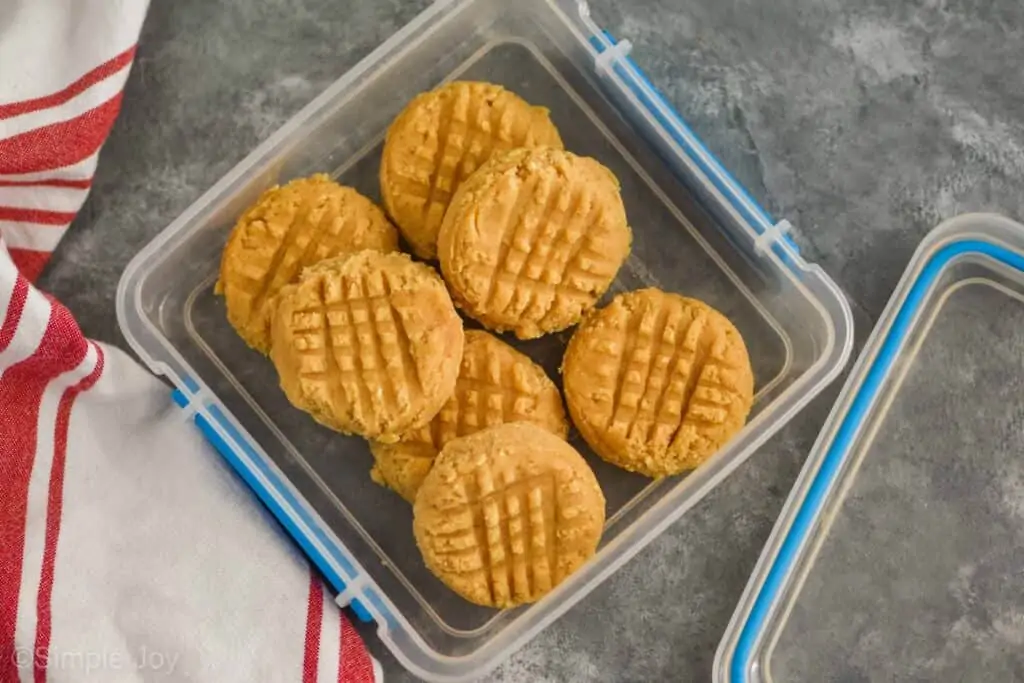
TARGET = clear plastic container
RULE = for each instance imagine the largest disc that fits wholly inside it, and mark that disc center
(695, 230)
(894, 557)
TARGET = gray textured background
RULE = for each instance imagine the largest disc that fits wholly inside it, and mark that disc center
(864, 123)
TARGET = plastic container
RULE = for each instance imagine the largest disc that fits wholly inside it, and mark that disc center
(696, 231)
(894, 555)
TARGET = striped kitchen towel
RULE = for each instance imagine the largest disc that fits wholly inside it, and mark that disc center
(63, 65)
(128, 550)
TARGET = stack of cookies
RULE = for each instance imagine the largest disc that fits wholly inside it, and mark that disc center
(528, 237)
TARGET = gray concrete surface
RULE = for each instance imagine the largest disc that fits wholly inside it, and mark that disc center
(863, 122)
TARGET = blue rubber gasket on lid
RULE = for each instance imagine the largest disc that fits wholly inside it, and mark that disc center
(849, 427)
(724, 182)
(264, 494)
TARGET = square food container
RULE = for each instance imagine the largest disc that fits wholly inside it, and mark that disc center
(898, 554)
(695, 231)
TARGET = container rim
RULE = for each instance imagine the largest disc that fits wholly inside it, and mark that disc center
(790, 550)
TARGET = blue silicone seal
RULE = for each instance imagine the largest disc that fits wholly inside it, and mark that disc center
(839, 450)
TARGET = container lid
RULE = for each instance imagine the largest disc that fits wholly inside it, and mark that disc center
(900, 551)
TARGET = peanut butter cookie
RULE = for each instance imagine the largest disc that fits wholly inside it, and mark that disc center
(507, 513)
(286, 230)
(656, 382)
(439, 139)
(496, 384)
(367, 343)
(533, 239)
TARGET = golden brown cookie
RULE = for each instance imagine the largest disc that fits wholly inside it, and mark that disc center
(507, 513)
(439, 139)
(656, 382)
(496, 384)
(533, 239)
(286, 230)
(367, 343)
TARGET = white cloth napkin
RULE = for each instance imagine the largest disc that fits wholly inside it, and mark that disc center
(129, 551)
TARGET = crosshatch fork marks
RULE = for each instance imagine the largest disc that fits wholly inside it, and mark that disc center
(514, 537)
(657, 382)
(508, 513)
(361, 338)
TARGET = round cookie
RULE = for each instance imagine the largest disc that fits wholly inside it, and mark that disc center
(367, 343)
(496, 384)
(656, 382)
(286, 230)
(507, 513)
(533, 239)
(439, 139)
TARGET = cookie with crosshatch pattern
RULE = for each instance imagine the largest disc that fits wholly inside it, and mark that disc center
(507, 513)
(367, 343)
(533, 239)
(439, 139)
(656, 382)
(287, 229)
(496, 384)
